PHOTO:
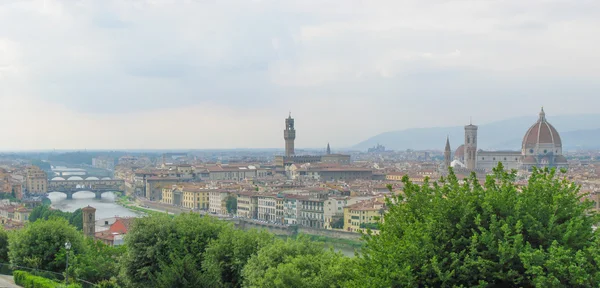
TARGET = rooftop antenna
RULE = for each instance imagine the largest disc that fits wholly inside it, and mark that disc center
(470, 120)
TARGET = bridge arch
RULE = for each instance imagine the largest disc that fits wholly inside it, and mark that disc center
(92, 178)
(69, 194)
(58, 178)
(73, 178)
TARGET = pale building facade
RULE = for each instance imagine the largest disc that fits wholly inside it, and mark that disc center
(267, 208)
(218, 202)
(36, 180)
(247, 205)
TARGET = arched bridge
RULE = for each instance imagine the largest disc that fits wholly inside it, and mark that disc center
(71, 187)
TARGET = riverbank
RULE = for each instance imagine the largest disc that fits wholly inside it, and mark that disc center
(128, 203)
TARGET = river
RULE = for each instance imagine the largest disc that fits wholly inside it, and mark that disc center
(105, 207)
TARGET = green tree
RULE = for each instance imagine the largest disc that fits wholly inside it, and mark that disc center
(326, 270)
(338, 223)
(226, 256)
(44, 212)
(98, 262)
(502, 235)
(231, 204)
(3, 246)
(271, 256)
(41, 244)
(157, 241)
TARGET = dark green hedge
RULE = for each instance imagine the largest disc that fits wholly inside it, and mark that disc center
(27, 280)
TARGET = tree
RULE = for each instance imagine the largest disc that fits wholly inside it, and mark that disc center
(338, 223)
(98, 262)
(226, 256)
(326, 270)
(464, 234)
(44, 212)
(42, 244)
(231, 204)
(271, 256)
(3, 246)
(154, 242)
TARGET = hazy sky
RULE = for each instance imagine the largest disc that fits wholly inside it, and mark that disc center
(224, 74)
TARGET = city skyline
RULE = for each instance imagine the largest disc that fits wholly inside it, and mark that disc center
(154, 75)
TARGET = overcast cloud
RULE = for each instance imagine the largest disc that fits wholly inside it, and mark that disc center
(147, 74)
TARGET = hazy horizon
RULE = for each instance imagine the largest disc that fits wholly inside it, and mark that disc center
(156, 74)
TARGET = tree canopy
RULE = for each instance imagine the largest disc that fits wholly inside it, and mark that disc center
(159, 244)
(44, 212)
(231, 204)
(496, 234)
(41, 244)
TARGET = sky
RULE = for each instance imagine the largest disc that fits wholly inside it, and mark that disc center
(157, 74)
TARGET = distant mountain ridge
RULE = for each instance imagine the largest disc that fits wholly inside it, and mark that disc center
(576, 131)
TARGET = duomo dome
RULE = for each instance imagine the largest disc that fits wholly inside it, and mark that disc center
(542, 145)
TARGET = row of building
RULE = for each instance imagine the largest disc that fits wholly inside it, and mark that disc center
(314, 208)
(20, 180)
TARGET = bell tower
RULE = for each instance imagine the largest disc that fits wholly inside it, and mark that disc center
(447, 152)
(89, 221)
(289, 134)
(471, 146)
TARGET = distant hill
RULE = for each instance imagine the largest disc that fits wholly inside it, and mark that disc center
(576, 131)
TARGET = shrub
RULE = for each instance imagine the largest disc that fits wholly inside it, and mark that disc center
(27, 280)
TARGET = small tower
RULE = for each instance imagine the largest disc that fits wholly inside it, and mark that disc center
(328, 149)
(89, 221)
(471, 146)
(447, 152)
(289, 134)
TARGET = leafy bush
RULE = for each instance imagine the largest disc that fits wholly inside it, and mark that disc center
(27, 280)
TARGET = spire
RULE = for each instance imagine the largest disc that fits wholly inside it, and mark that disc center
(447, 143)
(328, 149)
(290, 115)
(542, 115)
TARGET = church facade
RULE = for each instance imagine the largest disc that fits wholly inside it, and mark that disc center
(541, 147)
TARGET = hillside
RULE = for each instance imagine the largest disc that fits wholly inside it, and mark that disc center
(577, 131)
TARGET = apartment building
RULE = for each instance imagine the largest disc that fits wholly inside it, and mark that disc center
(36, 180)
(217, 201)
(267, 207)
(291, 209)
(364, 214)
(247, 205)
(312, 212)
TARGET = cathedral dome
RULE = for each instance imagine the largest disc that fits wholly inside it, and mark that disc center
(542, 138)
(460, 152)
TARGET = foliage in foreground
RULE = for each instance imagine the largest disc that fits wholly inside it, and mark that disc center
(41, 244)
(27, 280)
(498, 234)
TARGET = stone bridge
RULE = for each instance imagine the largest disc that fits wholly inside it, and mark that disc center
(71, 187)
